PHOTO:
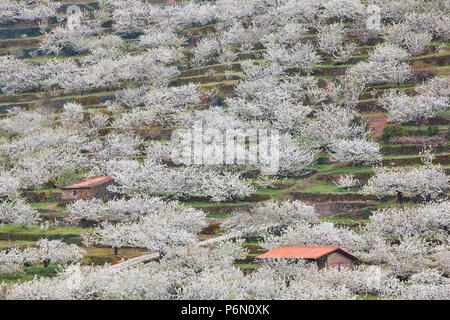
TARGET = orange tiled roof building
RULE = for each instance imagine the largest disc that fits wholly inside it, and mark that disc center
(325, 256)
(95, 187)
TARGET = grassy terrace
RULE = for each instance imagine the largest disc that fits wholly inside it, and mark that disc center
(29, 273)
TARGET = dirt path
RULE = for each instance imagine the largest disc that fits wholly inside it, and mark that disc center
(376, 125)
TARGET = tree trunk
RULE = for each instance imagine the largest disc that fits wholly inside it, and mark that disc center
(116, 251)
(46, 263)
(400, 197)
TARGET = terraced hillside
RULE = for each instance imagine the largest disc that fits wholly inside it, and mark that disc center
(116, 82)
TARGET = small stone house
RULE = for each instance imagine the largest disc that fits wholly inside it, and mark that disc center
(95, 187)
(326, 257)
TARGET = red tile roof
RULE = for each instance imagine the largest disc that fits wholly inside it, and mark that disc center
(302, 252)
(89, 183)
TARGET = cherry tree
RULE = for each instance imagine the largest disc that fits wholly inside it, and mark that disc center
(293, 158)
(268, 99)
(209, 48)
(332, 124)
(36, 169)
(357, 151)
(405, 35)
(424, 292)
(428, 220)
(116, 235)
(438, 87)
(156, 106)
(149, 66)
(72, 112)
(364, 280)
(167, 229)
(411, 255)
(116, 146)
(343, 9)
(155, 37)
(302, 56)
(85, 210)
(428, 181)
(330, 37)
(345, 91)
(12, 11)
(17, 211)
(54, 252)
(23, 122)
(73, 37)
(44, 137)
(269, 215)
(159, 230)
(11, 261)
(17, 76)
(428, 20)
(124, 209)
(416, 43)
(46, 252)
(384, 64)
(9, 184)
(432, 96)
(346, 181)
(75, 282)
(404, 108)
(153, 177)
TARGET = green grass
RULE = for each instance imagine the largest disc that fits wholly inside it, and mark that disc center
(29, 273)
(441, 53)
(438, 43)
(444, 114)
(368, 297)
(246, 266)
(214, 204)
(322, 167)
(441, 67)
(348, 169)
(425, 127)
(217, 215)
(367, 115)
(272, 192)
(48, 190)
(16, 244)
(36, 229)
(323, 187)
(48, 205)
(403, 156)
(344, 220)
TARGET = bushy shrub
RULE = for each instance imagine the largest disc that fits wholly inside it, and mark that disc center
(393, 130)
(69, 50)
(67, 177)
(432, 131)
(420, 141)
